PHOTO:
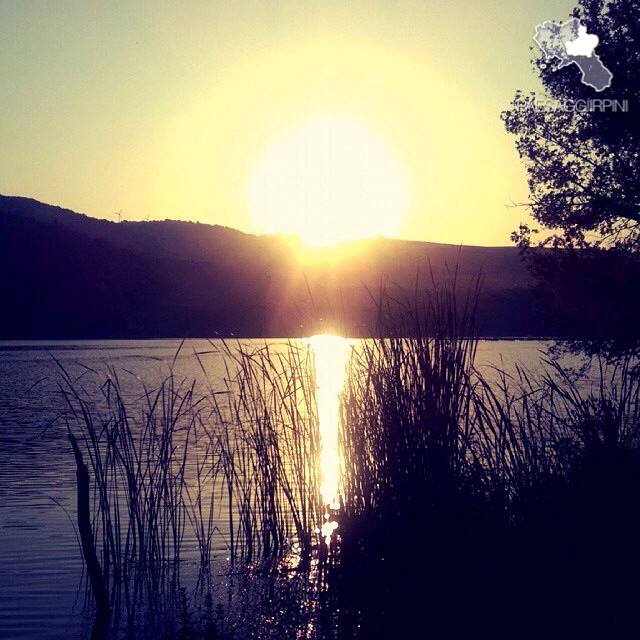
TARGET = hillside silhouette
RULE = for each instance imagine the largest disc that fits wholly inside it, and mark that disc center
(68, 275)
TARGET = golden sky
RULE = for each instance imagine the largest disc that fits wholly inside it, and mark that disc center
(171, 110)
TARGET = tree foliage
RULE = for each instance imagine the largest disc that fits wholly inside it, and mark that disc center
(584, 166)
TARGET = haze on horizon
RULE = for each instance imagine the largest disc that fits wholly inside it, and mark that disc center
(172, 111)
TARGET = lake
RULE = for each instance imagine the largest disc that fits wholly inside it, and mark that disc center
(41, 589)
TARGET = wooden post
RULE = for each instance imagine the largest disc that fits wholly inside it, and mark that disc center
(96, 578)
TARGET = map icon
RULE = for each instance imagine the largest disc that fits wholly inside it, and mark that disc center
(570, 43)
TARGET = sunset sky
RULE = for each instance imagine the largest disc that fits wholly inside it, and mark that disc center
(194, 110)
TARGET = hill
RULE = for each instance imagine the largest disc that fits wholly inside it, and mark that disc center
(68, 275)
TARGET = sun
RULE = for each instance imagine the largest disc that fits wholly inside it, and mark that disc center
(329, 180)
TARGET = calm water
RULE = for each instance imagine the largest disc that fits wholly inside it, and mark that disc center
(41, 593)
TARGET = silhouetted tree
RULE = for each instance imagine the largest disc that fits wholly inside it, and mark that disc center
(583, 170)
(584, 166)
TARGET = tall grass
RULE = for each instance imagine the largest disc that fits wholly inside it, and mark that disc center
(269, 450)
(470, 495)
(406, 406)
(474, 502)
(180, 470)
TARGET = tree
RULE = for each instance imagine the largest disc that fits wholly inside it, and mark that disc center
(584, 166)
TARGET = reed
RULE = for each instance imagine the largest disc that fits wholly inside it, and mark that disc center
(465, 487)
(178, 471)
(406, 405)
(460, 488)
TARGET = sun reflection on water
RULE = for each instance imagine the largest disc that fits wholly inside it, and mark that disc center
(330, 355)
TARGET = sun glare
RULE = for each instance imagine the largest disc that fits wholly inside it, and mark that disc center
(327, 181)
(331, 355)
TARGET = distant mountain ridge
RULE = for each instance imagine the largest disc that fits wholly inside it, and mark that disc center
(68, 275)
